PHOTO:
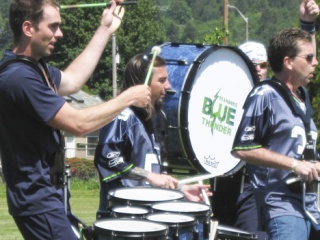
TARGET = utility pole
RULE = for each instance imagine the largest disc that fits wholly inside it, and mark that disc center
(115, 56)
(225, 20)
(114, 66)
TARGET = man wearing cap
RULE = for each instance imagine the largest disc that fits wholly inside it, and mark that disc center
(257, 53)
(233, 199)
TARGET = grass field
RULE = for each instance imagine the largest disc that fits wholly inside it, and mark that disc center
(84, 204)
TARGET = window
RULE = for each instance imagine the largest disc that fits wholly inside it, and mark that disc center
(91, 145)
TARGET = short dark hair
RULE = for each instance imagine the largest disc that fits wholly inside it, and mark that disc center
(23, 10)
(283, 44)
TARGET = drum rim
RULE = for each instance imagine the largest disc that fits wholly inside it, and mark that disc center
(187, 211)
(183, 117)
(114, 208)
(118, 201)
(240, 235)
(186, 224)
(122, 233)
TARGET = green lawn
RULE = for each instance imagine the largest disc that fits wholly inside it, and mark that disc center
(84, 204)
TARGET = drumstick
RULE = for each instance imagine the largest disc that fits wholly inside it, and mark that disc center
(87, 5)
(155, 51)
(204, 194)
(197, 178)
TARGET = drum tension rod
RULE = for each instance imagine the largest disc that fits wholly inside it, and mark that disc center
(180, 62)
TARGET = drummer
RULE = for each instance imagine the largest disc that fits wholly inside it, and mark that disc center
(128, 152)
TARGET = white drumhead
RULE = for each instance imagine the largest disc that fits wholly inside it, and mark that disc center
(130, 210)
(147, 194)
(181, 207)
(215, 109)
(170, 218)
(132, 226)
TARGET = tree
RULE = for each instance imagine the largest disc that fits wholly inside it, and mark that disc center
(5, 33)
(217, 36)
(179, 11)
(190, 32)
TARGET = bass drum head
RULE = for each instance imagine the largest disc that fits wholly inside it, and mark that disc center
(204, 107)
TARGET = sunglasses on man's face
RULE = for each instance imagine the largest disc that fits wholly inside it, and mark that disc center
(261, 65)
(308, 57)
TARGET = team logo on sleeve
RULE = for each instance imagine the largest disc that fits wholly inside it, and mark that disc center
(114, 159)
(113, 155)
(249, 133)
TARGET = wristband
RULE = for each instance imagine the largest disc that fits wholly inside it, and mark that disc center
(294, 165)
(309, 27)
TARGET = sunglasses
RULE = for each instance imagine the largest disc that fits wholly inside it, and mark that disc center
(261, 65)
(308, 57)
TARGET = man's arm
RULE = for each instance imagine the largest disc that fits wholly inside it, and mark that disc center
(156, 180)
(309, 11)
(79, 71)
(82, 121)
(308, 170)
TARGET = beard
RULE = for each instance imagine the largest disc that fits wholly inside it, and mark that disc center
(152, 109)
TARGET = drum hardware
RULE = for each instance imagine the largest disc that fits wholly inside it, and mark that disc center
(181, 227)
(200, 211)
(121, 229)
(142, 196)
(129, 212)
(304, 191)
(243, 176)
(171, 91)
(66, 184)
(230, 233)
(178, 44)
(76, 224)
(180, 62)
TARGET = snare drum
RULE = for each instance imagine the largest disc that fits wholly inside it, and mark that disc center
(209, 87)
(121, 229)
(229, 233)
(142, 196)
(201, 212)
(181, 227)
(129, 212)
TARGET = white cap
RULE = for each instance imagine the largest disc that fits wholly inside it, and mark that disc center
(255, 51)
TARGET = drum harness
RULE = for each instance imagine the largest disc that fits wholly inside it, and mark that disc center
(310, 153)
(57, 160)
(59, 172)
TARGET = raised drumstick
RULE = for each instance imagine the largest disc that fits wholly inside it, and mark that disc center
(156, 50)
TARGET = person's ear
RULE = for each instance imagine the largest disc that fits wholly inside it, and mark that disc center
(287, 62)
(27, 28)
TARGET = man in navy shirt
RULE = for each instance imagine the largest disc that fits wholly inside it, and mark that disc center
(272, 136)
(32, 112)
(128, 152)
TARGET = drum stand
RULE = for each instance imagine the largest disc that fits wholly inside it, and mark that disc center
(66, 186)
(76, 224)
(304, 191)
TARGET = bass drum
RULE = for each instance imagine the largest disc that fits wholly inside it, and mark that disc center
(204, 107)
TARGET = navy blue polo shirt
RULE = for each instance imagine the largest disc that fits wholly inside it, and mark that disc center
(27, 143)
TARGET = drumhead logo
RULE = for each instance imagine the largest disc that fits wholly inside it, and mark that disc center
(220, 114)
(211, 161)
